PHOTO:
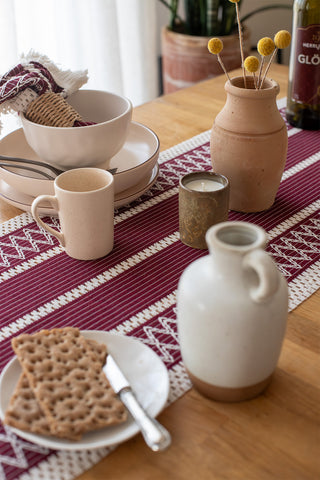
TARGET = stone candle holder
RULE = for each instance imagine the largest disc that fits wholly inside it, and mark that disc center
(203, 202)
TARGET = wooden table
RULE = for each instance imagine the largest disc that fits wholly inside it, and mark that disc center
(275, 436)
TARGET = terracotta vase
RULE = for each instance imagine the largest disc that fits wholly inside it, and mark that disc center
(232, 308)
(249, 144)
(186, 59)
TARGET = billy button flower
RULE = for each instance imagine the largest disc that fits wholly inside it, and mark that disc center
(265, 47)
(282, 39)
(215, 46)
(251, 64)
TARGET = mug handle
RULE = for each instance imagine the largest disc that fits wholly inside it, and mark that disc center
(54, 201)
(268, 275)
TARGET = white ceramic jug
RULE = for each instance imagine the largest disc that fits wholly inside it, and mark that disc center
(232, 311)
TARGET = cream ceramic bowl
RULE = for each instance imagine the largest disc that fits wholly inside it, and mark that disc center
(89, 146)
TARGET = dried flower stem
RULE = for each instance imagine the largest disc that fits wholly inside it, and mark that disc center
(267, 67)
(222, 66)
(241, 46)
(260, 72)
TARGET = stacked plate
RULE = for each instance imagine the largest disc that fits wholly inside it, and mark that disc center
(136, 163)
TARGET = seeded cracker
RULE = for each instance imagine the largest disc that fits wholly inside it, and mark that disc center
(65, 375)
(24, 412)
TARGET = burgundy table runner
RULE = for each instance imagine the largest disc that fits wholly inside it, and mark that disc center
(132, 290)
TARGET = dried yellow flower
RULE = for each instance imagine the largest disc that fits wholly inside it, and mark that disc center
(251, 64)
(282, 39)
(265, 46)
(215, 45)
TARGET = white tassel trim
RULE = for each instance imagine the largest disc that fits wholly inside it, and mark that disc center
(68, 80)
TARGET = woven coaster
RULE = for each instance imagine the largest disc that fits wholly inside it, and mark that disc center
(52, 110)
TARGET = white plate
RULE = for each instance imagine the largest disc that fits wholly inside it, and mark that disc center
(23, 201)
(143, 368)
(134, 162)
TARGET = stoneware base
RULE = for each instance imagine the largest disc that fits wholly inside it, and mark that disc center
(225, 394)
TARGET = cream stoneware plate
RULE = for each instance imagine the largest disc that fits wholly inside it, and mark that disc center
(134, 162)
(23, 201)
(143, 368)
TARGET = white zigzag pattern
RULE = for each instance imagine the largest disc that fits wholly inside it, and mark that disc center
(18, 446)
(294, 245)
(18, 250)
(187, 162)
(155, 333)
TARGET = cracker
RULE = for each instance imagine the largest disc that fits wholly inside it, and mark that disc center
(65, 375)
(24, 412)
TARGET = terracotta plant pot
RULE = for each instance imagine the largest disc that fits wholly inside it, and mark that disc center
(249, 143)
(186, 59)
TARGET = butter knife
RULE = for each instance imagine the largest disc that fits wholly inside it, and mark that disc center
(155, 435)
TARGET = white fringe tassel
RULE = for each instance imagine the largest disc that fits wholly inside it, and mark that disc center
(68, 80)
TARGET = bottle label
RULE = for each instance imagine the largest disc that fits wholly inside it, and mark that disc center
(306, 81)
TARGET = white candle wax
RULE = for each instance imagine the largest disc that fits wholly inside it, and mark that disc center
(204, 185)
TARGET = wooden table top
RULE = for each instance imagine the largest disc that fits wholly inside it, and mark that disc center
(275, 436)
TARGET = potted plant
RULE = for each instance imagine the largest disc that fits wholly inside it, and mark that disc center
(185, 57)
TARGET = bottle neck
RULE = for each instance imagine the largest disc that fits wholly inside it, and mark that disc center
(229, 242)
(306, 12)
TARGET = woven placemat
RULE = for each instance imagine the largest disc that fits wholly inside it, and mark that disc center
(132, 291)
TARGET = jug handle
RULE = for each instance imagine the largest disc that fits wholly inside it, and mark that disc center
(268, 275)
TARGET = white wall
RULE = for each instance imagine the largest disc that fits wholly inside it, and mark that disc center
(266, 24)
(162, 19)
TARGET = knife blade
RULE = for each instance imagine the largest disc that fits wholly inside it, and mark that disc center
(155, 435)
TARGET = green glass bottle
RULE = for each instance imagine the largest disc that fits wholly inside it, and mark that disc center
(303, 99)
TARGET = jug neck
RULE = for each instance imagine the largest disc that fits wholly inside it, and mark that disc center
(231, 241)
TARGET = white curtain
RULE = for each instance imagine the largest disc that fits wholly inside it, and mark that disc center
(115, 40)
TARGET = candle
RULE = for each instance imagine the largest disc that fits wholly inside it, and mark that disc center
(203, 202)
(204, 185)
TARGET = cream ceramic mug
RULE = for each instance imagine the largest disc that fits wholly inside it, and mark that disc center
(84, 199)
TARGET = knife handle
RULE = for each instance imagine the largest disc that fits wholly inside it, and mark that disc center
(155, 435)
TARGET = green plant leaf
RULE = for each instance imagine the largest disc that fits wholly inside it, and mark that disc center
(212, 20)
(210, 17)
